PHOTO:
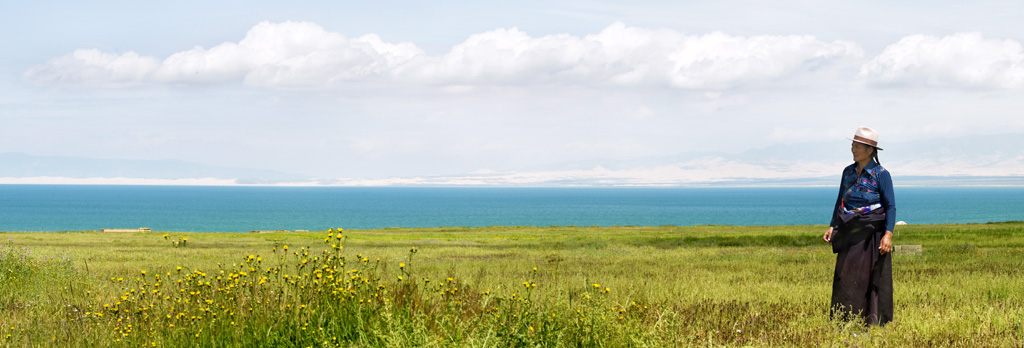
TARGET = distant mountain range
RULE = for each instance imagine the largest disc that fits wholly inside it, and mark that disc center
(17, 165)
(971, 160)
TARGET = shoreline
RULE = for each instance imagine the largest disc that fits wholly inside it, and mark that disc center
(939, 184)
(510, 227)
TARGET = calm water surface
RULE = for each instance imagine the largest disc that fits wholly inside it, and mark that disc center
(235, 209)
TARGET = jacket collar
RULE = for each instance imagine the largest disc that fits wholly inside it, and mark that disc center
(871, 165)
(867, 168)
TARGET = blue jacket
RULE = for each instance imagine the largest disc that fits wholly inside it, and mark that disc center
(873, 186)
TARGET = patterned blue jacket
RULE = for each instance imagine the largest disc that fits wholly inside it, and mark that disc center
(857, 194)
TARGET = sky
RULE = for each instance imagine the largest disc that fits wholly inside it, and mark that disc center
(409, 89)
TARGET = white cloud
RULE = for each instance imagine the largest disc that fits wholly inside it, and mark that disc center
(271, 54)
(965, 60)
(94, 68)
(293, 54)
(622, 55)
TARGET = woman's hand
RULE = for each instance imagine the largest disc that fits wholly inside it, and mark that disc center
(886, 244)
(828, 235)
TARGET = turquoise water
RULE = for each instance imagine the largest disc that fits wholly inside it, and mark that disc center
(237, 209)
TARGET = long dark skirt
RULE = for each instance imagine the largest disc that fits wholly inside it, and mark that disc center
(862, 283)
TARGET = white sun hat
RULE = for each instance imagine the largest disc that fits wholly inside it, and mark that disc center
(866, 136)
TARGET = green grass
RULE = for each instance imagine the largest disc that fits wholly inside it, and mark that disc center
(499, 286)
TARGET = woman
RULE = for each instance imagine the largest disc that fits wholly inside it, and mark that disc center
(861, 235)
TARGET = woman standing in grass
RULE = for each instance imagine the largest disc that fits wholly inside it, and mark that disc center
(861, 235)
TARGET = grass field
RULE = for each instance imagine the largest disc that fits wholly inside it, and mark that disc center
(498, 287)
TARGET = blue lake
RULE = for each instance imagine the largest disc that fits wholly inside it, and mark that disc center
(237, 209)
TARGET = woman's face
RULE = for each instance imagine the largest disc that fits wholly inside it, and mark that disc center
(861, 152)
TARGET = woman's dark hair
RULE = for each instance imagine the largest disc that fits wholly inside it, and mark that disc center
(874, 155)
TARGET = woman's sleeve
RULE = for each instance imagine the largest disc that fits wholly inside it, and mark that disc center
(888, 199)
(839, 200)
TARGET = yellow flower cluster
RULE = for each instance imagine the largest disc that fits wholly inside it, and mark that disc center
(302, 286)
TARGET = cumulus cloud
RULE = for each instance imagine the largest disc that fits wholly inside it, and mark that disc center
(287, 54)
(622, 55)
(271, 54)
(92, 67)
(292, 54)
(965, 60)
